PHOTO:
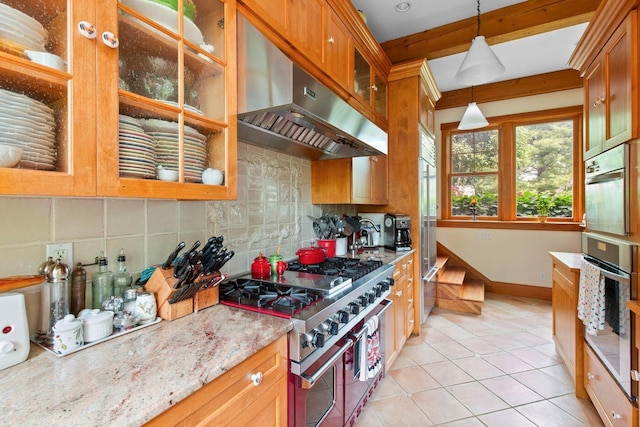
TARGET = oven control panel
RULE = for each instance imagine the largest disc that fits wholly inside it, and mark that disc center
(308, 339)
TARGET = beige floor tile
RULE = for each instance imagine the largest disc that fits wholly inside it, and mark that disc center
(477, 398)
(368, 418)
(440, 406)
(534, 358)
(548, 349)
(507, 418)
(503, 341)
(542, 384)
(413, 379)
(478, 368)
(403, 361)
(451, 350)
(511, 391)
(388, 387)
(432, 335)
(547, 414)
(544, 332)
(467, 422)
(529, 339)
(507, 363)
(447, 373)
(456, 332)
(478, 345)
(423, 354)
(400, 411)
(582, 409)
(559, 373)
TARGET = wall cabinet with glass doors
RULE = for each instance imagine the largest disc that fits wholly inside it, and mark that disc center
(370, 88)
(157, 98)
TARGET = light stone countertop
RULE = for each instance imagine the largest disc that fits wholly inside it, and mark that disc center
(130, 379)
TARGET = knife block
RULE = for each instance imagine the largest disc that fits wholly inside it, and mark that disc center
(161, 284)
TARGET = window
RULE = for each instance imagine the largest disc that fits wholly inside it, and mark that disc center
(511, 169)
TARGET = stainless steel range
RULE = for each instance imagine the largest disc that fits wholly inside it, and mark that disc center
(328, 305)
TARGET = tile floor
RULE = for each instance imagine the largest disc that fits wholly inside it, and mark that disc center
(498, 369)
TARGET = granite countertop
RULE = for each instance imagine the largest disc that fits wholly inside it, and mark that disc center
(570, 259)
(132, 378)
(387, 256)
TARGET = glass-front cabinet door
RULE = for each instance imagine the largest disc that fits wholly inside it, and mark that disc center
(362, 77)
(165, 71)
(47, 99)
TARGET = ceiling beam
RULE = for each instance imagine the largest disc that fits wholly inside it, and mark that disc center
(516, 88)
(509, 23)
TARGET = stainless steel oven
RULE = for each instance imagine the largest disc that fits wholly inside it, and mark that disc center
(607, 191)
(615, 262)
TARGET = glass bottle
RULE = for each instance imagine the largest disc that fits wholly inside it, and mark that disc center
(101, 283)
(122, 278)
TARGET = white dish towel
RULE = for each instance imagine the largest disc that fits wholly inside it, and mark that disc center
(591, 298)
(370, 357)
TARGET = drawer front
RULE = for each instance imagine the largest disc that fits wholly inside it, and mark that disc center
(605, 394)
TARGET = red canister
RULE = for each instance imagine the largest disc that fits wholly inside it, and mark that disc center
(311, 255)
(261, 267)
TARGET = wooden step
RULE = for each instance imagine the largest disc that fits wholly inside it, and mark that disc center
(452, 276)
(460, 306)
(441, 261)
(473, 290)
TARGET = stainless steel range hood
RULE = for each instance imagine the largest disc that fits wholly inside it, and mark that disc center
(282, 108)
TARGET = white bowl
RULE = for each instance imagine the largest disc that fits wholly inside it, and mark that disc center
(47, 59)
(212, 176)
(10, 156)
(96, 324)
(167, 175)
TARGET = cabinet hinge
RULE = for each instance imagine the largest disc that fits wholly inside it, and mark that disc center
(635, 375)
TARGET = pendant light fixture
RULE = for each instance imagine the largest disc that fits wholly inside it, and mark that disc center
(480, 65)
(473, 117)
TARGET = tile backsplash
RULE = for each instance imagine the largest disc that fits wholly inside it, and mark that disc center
(274, 199)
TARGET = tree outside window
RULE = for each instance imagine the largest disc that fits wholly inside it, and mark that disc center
(511, 167)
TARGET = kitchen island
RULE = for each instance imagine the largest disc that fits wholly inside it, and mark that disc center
(130, 379)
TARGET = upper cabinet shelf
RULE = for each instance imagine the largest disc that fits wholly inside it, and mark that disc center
(158, 97)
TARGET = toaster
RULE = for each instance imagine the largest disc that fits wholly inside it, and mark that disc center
(14, 329)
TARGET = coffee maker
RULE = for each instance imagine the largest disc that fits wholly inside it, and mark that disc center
(397, 232)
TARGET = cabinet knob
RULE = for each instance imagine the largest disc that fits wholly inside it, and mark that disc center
(331, 40)
(110, 39)
(87, 29)
(374, 158)
(615, 416)
(399, 294)
(599, 100)
(591, 376)
(256, 379)
(375, 88)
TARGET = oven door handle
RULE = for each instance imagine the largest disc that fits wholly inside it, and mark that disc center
(614, 276)
(308, 381)
(387, 305)
(606, 177)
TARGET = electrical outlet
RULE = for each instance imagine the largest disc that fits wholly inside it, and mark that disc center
(64, 251)
(542, 277)
(483, 235)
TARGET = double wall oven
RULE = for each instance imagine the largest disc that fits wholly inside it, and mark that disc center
(605, 246)
(329, 305)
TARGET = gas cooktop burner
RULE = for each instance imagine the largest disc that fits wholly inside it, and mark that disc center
(344, 267)
(270, 297)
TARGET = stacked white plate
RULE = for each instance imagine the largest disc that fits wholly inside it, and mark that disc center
(136, 152)
(28, 124)
(166, 17)
(21, 29)
(167, 138)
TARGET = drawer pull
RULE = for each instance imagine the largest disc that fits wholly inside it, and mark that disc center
(591, 376)
(332, 40)
(399, 294)
(256, 379)
(615, 416)
(87, 29)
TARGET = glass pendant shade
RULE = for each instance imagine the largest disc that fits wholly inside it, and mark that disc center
(480, 64)
(472, 118)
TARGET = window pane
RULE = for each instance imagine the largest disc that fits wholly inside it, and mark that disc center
(475, 152)
(482, 188)
(544, 168)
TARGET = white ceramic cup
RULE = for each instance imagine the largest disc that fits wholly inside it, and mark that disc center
(341, 246)
(67, 334)
(47, 59)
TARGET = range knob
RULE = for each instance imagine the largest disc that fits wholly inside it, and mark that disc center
(318, 339)
(363, 300)
(385, 285)
(378, 290)
(355, 308)
(372, 297)
(343, 316)
(333, 328)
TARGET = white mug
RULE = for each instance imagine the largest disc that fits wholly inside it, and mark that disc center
(146, 308)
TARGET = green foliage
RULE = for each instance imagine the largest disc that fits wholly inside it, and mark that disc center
(560, 205)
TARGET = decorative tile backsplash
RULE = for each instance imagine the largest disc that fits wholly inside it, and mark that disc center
(274, 199)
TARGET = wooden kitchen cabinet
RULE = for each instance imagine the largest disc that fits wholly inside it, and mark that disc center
(187, 109)
(611, 105)
(401, 323)
(338, 45)
(59, 145)
(568, 330)
(129, 68)
(252, 393)
(368, 85)
(610, 402)
(359, 180)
